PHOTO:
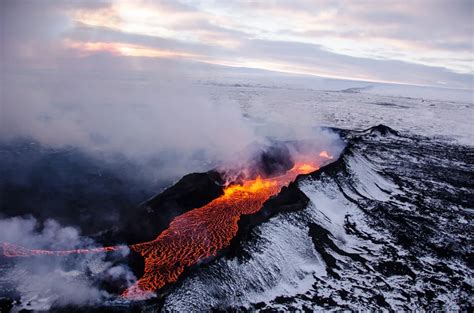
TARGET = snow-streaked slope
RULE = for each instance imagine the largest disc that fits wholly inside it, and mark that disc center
(387, 226)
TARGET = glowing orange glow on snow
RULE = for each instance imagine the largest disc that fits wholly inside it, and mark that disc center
(326, 155)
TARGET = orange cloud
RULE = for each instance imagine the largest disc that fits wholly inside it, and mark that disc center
(117, 48)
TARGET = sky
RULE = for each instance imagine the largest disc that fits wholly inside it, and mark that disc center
(428, 43)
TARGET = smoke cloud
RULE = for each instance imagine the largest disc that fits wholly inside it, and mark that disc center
(43, 282)
(165, 123)
(147, 110)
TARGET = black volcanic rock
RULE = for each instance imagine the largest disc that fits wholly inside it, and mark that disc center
(192, 191)
(152, 217)
(275, 160)
(69, 186)
(6, 304)
(381, 130)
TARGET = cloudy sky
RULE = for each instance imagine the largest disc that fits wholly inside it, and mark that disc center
(412, 42)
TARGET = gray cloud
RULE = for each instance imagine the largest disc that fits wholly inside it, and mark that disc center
(316, 58)
(424, 20)
(147, 111)
(410, 28)
(302, 56)
(417, 34)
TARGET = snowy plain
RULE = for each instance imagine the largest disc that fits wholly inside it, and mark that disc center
(276, 98)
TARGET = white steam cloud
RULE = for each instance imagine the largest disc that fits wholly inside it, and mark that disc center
(43, 282)
(169, 125)
(144, 109)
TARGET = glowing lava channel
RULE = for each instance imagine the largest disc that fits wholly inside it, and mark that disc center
(192, 236)
(202, 232)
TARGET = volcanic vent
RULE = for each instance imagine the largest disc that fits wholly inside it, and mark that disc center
(199, 232)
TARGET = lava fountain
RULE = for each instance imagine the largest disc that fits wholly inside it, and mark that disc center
(193, 236)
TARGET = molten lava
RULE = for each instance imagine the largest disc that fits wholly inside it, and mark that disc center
(202, 232)
(11, 251)
(193, 236)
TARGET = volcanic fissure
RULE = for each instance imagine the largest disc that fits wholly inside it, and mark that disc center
(197, 234)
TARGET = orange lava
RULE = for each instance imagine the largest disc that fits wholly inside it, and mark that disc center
(11, 251)
(202, 232)
(193, 236)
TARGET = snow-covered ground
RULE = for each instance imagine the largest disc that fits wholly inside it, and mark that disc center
(303, 101)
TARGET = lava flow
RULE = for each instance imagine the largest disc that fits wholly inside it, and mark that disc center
(202, 232)
(195, 235)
